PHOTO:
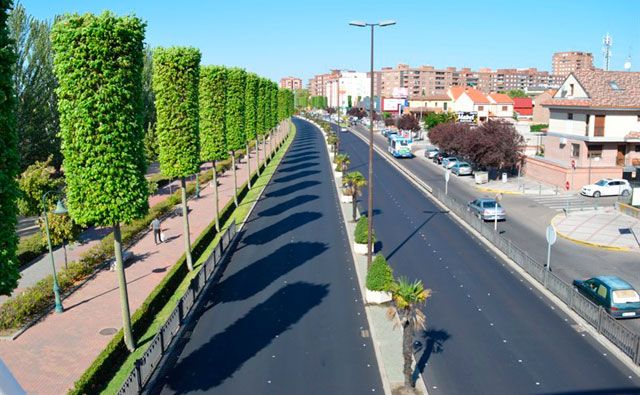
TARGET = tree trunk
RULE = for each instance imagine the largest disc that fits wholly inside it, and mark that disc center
(198, 183)
(353, 204)
(215, 195)
(271, 143)
(258, 153)
(64, 246)
(407, 354)
(235, 178)
(122, 284)
(264, 148)
(248, 166)
(185, 222)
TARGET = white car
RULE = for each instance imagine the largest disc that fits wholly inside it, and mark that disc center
(607, 187)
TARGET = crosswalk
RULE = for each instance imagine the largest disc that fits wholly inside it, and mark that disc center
(571, 202)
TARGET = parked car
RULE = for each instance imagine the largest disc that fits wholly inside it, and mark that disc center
(607, 187)
(448, 162)
(487, 209)
(431, 152)
(461, 169)
(617, 296)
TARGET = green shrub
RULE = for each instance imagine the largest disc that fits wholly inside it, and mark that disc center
(380, 275)
(29, 248)
(361, 232)
(538, 128)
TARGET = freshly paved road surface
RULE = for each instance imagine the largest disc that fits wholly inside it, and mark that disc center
(525, 227)
(286, 317)
(488, 331)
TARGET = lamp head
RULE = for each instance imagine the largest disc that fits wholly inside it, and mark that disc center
(60, 208)
(358, 23)
(388, 22)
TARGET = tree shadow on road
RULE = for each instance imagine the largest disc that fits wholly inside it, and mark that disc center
(224, 353)
(285, 225)
(298, 160)
(297, 167)
(292, 188)
(289, 204)
(255, 277)
(430, 342)
(301, 153)
(295, 176)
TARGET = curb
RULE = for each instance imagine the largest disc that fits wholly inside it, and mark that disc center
(587, 243)
(502, 191)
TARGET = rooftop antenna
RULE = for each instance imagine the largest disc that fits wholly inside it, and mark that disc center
(627, 62)
(607, 41)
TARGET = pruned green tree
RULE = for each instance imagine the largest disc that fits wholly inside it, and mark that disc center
(274, 113)
(149, 107)
(250, 116)
(213, 141)
(176, 72)
(9, 159)
(62, 229)
(261, 116)
(234, 119)
(101, 126)
(35, 83)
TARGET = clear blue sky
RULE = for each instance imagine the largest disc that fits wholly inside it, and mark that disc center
(303, 38)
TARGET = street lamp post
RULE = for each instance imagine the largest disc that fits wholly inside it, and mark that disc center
(370, 183)
(60, 209)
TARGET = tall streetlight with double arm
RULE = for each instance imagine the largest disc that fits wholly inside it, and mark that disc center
(370, 183)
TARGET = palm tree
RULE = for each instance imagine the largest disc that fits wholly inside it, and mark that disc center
(332, 140)
(353, 183)
(342, 162)
(408, 297)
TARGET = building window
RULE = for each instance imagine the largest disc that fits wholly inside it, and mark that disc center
(637, 148)
(570, 89)
(504, 108)
(595, 151)
(569, 115)
(575, 150)
(480, 108)
(444, 105)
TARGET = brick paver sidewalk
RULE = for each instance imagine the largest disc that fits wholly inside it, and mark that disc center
(50, 356)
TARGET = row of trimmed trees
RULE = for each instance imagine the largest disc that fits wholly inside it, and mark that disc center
(203, 114)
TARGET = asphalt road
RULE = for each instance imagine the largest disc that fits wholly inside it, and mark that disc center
(488, 331)
(286, 316)
(525, 226)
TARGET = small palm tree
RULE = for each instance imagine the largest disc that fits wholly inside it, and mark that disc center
(342, 162)
(332, 140)
(408, 297)
(353, 183)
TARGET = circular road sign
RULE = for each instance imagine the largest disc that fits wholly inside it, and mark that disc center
(552, 236)
(567, 185)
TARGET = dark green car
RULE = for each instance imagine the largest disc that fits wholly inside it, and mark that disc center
(617, 296)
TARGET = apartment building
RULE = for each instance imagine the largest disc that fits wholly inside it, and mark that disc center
(565, 63)
(291, 83)
(346, 87)
(594, 123)
(317, 83)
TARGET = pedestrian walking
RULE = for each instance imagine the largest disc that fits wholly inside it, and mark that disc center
(155, 224)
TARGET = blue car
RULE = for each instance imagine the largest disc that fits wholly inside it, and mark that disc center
(617, 296)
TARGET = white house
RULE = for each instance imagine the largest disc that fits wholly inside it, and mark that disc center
(501, 105)
(594, 124)
(352, 84)
(469, 100)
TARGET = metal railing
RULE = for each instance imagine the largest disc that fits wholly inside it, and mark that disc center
(625, 339)
(145, 366)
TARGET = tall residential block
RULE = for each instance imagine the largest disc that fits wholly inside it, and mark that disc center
(567, 62)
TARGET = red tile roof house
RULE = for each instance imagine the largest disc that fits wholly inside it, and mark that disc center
(466, 99)
(501, 106)
(594, 123)
(523, 106)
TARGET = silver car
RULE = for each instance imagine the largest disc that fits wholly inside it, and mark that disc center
(487, 209)
(462, 169)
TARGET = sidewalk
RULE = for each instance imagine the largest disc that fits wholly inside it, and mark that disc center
(50, 356)
(602, 228)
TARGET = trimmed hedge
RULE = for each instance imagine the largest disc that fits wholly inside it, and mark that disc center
(97, 376)
(29, 248)
(380, 275)
(362, 231)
